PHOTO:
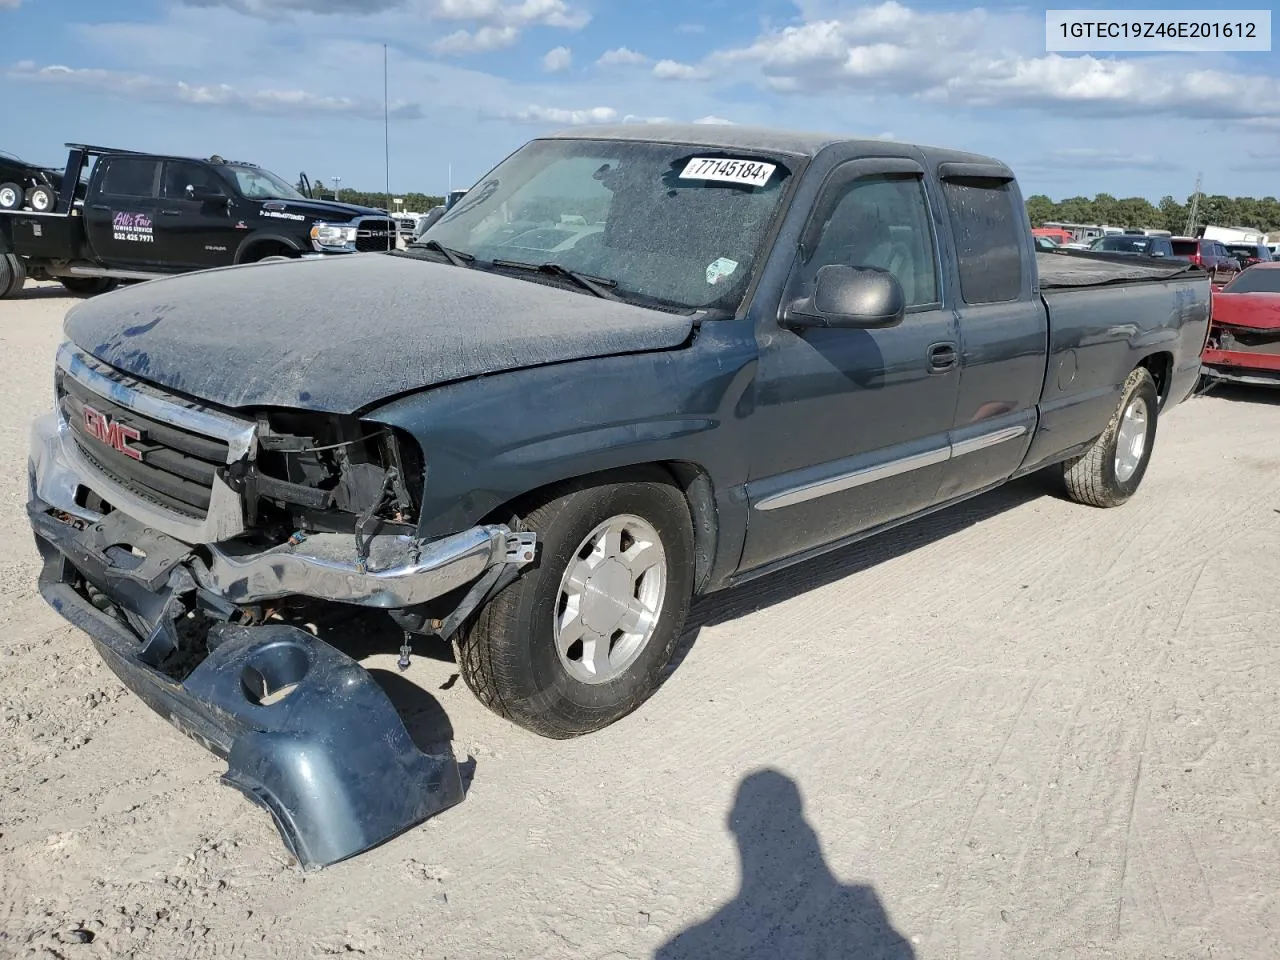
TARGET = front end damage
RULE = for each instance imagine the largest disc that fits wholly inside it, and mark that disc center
(189, 543)
(1243, 346)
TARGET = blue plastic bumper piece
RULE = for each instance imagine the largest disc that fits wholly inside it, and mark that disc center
(306, 731)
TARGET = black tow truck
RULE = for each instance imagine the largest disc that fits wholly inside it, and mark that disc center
(121, 215)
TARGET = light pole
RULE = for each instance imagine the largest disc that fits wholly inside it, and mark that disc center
(336, 181)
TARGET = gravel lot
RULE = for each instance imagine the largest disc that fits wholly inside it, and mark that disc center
(1021, 728)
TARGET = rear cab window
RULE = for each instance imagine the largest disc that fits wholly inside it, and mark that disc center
(988, 231)
(129, 177)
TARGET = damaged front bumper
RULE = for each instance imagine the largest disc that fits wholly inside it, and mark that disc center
(306, 731)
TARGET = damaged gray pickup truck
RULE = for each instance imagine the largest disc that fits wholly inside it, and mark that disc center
(630, 367)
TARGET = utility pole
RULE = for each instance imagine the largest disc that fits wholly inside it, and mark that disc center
(336, 181)
(1193, 213)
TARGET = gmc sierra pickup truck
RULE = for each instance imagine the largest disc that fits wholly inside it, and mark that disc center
(123, 215)
(630, 367)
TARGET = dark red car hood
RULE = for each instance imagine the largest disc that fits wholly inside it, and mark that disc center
(1261, 311)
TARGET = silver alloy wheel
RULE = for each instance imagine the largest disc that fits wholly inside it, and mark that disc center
(9, 199)
(40, 202)
(1131, 439)
(610, 599)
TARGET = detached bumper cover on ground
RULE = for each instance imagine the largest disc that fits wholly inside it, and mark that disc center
(330, 759)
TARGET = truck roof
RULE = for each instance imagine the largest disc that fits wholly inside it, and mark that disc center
(774, 139)
(114, 151)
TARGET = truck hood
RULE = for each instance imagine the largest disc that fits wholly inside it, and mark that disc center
(341, 334)
(323, 209)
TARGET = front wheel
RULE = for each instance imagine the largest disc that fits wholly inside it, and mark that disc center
(1110, 471)
(581, 639)
(41, 199)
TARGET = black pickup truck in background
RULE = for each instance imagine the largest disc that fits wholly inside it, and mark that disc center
(124, 215)
(633, 365)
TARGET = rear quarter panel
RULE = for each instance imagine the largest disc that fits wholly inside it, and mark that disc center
(1097, 335)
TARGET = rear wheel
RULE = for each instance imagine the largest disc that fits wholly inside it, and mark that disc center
(1110, 471)
(13, 275)
(12, 196)
(581, 639)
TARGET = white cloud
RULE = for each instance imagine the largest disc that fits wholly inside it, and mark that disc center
(622, 56)
(976, 59)
(136, 86)
(714, 120)
(1095, 156)
(547, 13)
(481, 41)
(10, 4)
(557, 60)
(673, 70)
(562, 117)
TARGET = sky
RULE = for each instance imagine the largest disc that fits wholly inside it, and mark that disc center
(298, 85)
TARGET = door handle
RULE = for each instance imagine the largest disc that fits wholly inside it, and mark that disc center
(942, 357)
(171, 213)
(100, 206)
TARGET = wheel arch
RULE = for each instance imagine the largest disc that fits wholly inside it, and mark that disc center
(1160, 366)
(257, 241)
(692, 479)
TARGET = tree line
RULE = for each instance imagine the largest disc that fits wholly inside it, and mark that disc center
(1136, 212)
(414, 201)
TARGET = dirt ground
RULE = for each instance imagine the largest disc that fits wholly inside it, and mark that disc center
(1021, 728)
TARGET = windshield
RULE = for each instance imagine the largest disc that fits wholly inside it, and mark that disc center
(674, 224)
(1253, 280)
(1124, 244)
(258, 184)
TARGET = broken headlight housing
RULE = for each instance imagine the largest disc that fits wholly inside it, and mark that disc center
(327, 473)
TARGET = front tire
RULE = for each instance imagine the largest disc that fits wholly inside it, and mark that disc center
(1110, 471)
(581, 639)
(87, 286)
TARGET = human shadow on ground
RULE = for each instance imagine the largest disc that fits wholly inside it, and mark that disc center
(789, 906)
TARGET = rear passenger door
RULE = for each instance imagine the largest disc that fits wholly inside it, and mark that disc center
(120, 215)
(1004, 330)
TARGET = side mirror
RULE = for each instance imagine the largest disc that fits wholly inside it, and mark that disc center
(850, 297)
(204, 194)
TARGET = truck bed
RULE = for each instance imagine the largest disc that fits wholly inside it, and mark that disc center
(1074, 269)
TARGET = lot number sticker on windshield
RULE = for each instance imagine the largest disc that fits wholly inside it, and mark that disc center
(750, 172)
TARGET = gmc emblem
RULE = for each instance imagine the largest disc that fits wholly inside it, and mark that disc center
(114, 434)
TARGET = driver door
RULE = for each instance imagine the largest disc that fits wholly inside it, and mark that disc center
(852, 424)
(195, 226)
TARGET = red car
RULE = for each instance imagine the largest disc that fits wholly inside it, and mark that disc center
(1244, 331)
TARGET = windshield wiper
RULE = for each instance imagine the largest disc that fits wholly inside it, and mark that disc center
(455, 257)
(596, 285)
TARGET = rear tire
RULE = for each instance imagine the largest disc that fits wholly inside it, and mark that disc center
(582, 638)
(13, 275)
(1110, 471)
(12, 196)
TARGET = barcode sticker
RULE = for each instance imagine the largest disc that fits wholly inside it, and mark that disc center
(750, 172)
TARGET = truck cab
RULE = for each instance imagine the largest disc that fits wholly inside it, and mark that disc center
(140, 216)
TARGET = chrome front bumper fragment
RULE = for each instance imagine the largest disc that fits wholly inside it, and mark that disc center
(399, 571)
